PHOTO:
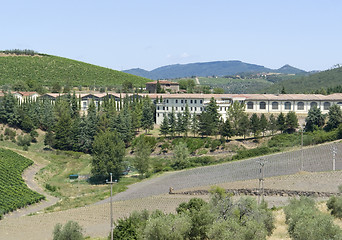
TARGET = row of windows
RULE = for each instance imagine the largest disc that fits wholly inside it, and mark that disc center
(180, 108)
(288, 105)
(186, 101)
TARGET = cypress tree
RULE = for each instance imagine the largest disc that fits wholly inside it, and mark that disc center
(164, 127)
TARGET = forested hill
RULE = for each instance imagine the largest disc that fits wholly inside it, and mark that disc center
(218, 68)
(47, 69)
(310, 83)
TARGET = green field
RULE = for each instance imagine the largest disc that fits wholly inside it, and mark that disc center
(14, 193)
(46, 70)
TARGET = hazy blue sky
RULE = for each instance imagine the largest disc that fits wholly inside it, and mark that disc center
(151, 33)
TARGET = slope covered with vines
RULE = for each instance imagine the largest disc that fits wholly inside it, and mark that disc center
(14, 193)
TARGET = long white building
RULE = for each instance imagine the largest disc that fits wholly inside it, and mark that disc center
(254, 103)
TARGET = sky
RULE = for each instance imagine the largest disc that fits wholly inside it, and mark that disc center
(147, 34)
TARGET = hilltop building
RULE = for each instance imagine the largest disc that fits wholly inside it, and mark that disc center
(168, 86)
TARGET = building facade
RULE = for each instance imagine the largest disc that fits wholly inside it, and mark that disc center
(173, 87)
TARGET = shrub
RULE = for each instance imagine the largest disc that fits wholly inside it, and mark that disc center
(335, 205)
(10, 133)
(24, 140)
(307, 222)
(285, 140)
(214, 145)
(71, 230)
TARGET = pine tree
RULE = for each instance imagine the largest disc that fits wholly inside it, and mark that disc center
(315, 119)
(186, 120)
(173, 123)
(334, 117)
(273, 124)
(263, 123)
(235, 113)
(291, 122)
(226, 129)
(164, 127)
(179, 123)
(209, 119)
(194, 124)
(244, 126)
(142, 155)
(108, 154)
(147, 120)
(281, 122)
(158, 87)
(254, 124)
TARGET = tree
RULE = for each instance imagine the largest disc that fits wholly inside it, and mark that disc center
(226, 129)
(244, 126)
(108, 154)
(164, 127)
(180, 156)
(194, 124)
(291, 122)
(315, 119)
(186, 120)
(273, 124)
(158, 87)
(235, 113)
(179, 123)
(63, 128)
(209, 119)
(263, 124)
(334, 117)
(147, 120)
(56, 87)
(255, 124)
(71, 230)
(172, 122)
(281, 122)
(142, 155)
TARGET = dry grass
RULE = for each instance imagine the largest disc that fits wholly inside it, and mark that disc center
(280, 232)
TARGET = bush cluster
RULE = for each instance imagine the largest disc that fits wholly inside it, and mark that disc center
(221, 218)
(305, 221)
(335, 205)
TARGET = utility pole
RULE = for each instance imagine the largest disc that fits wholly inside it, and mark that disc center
(334, 151)
(111, 205)
(262, 163)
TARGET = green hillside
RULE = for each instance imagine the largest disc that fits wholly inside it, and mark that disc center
(306, 84)
(46, 70)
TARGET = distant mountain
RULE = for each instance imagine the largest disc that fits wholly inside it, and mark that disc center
(308, 83)
(287, 69)
(218, 68)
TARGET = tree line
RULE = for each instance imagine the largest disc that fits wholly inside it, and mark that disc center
(238, 123)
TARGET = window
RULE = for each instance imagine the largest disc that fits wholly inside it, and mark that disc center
(339, 104)
(182, 101)
(220, 109)
(157, 107)
(201, 109)
(158, 114)
(201, 101)
(190, 108)
(176, 108)
(191, 101)
(195, 109)
(313, 104)
(275, 105)
(167, 100)
(185, 101)
(163, 108)
(195, 101)
(182, 108)
(287, 106)
(250, 105)
(262, 105)
(300, 106)
(326, 105)
(176, 101)
(167, 108)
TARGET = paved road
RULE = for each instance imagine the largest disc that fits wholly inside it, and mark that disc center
(315, 159)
